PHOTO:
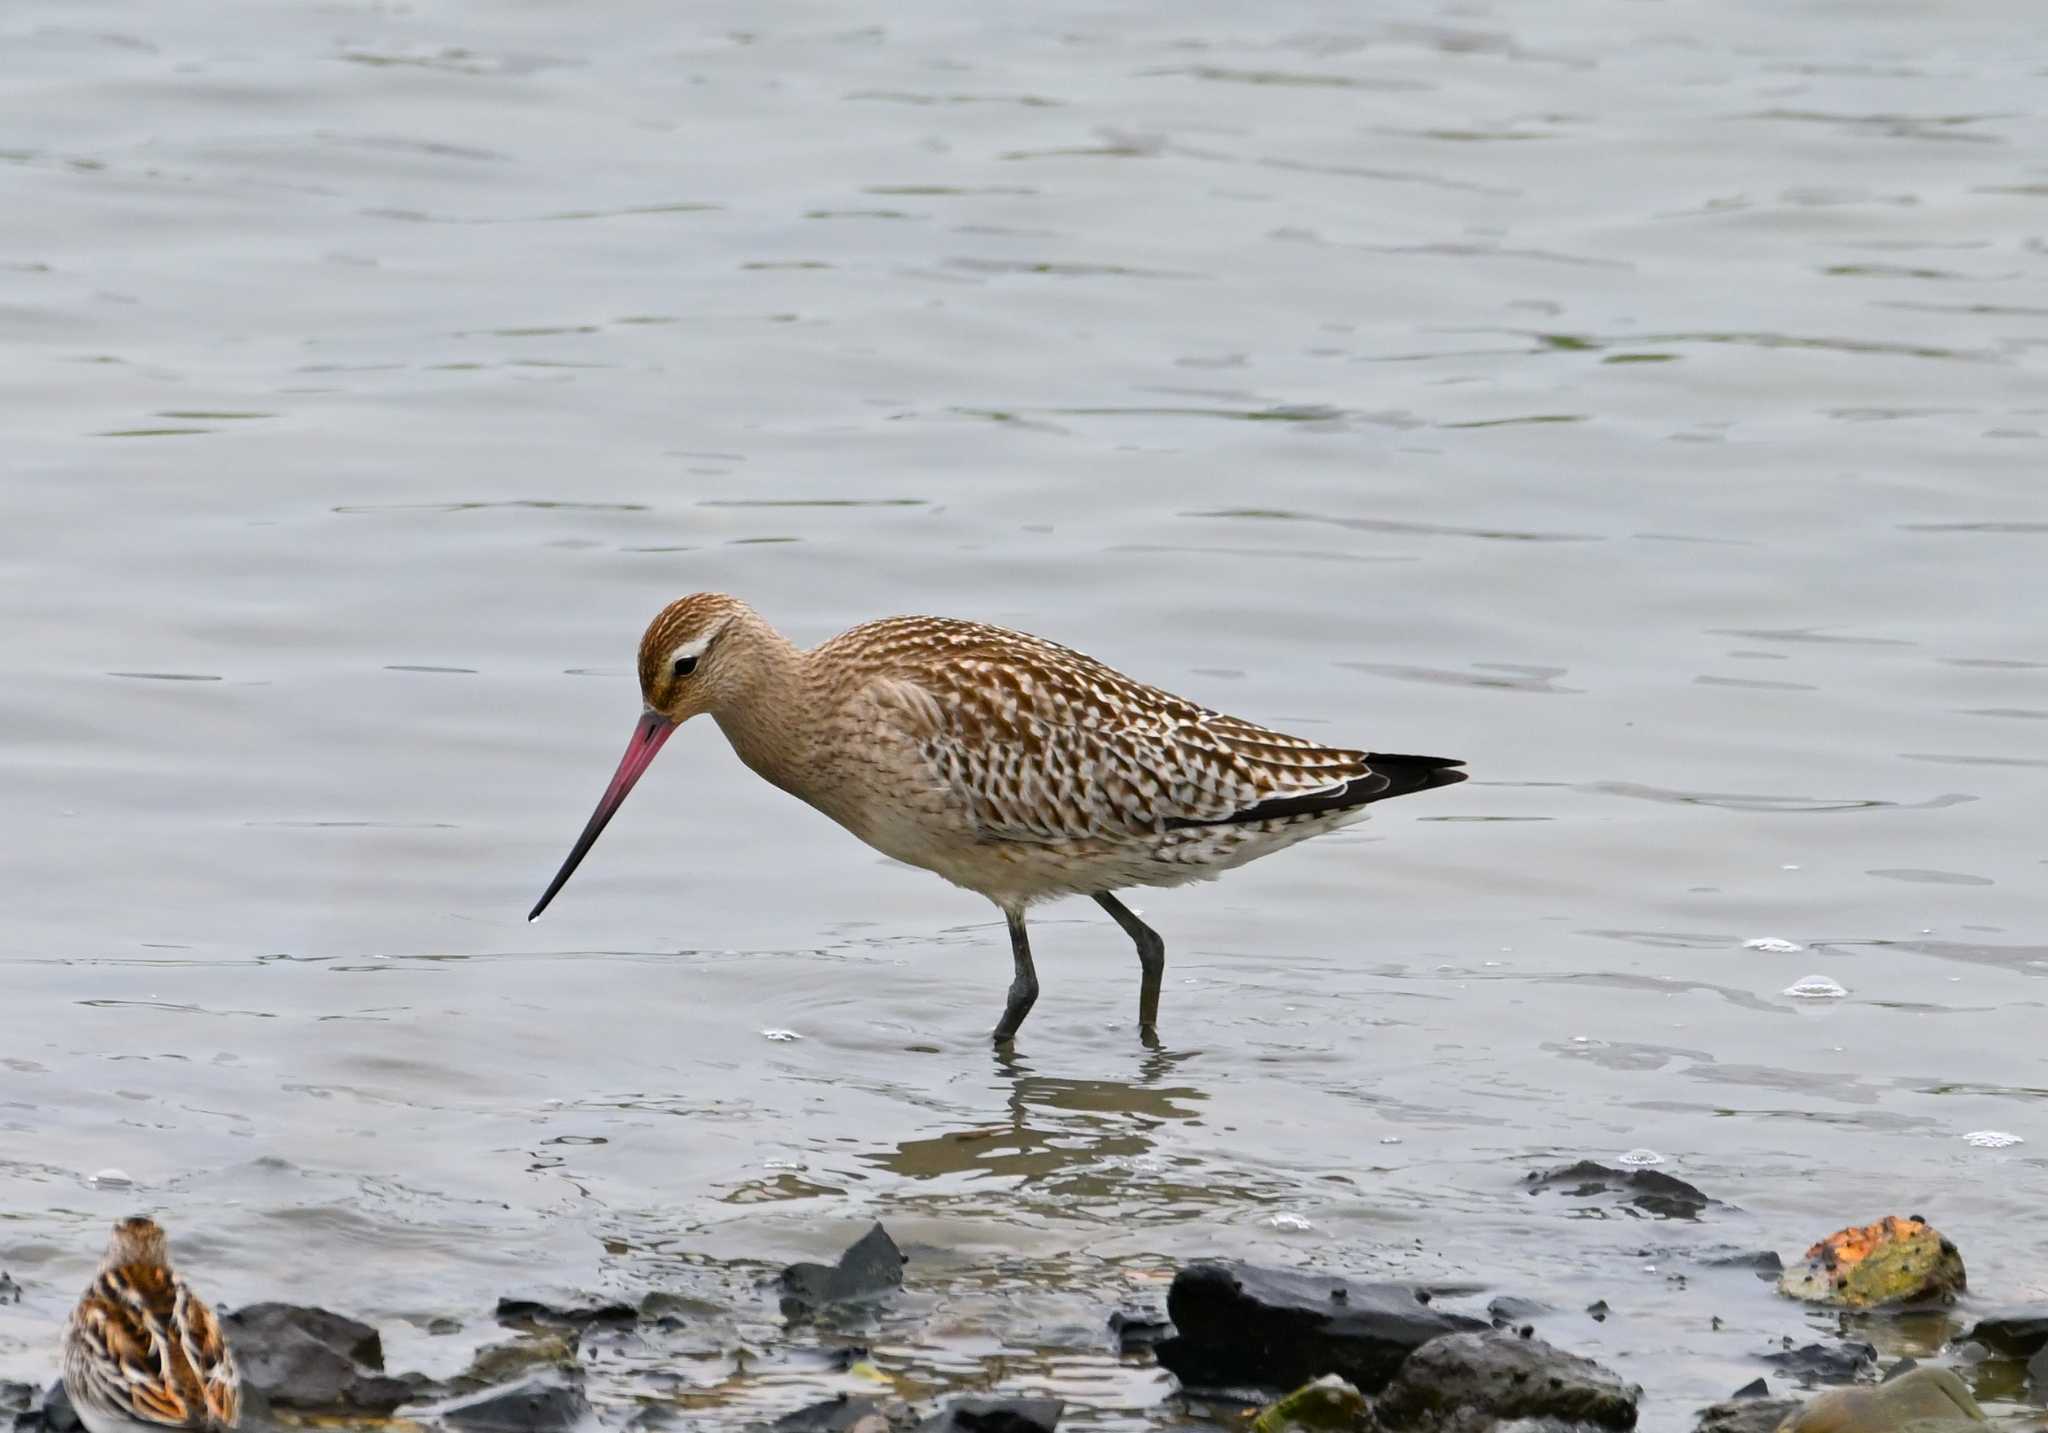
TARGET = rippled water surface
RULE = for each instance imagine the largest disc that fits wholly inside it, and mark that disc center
(1641, 401)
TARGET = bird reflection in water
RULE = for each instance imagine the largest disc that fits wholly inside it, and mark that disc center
(1068, 1139)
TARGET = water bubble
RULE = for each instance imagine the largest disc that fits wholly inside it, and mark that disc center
(113, 1179)
(1290, 1223)
(1390, 1139)
(1582, 1039)
(1641, 1158)
(782, 1035)
(1817, 987)
(1774, 944)
(1992, 1139)
(1788, 868)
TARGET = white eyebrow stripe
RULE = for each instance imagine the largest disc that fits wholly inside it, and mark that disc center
(692, 649)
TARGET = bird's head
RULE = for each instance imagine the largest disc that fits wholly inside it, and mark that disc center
(692, 660)
(684, 668)
(138, 1239)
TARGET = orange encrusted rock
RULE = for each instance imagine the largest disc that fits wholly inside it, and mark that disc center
(1893, 1261)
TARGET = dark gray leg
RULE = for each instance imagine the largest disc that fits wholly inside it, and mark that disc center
(1023, 985)
(1151, 958)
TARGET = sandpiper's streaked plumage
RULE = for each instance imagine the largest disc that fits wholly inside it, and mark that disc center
(1008, 764)
(142, 1352)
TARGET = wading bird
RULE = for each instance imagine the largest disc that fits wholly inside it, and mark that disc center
(143, 1353)
(1008, 764)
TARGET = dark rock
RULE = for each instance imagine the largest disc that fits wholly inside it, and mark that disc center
(2037, 1376)
(1642, 1191)
(312, 1360)
(1513, 1310)
(1745, 1415)
(10, 1292)
(443, 1326)
(535, 1314)
(16, 1397)
(2015, 1335)
(844, 1414)
(1238, 1324)
(545, 1403)
(873, 1266)
(354, 1340)
(1502, 1376)
(1755, 1388)
(56, 1415)
(996, 1415)
(1599, 1310)
(1820, 1363)
(1137, 1330)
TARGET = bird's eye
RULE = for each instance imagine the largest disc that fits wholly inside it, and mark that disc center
(685, 665)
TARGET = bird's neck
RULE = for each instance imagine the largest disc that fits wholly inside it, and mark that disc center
(765, 720)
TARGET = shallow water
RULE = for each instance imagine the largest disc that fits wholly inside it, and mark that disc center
(1642, 402)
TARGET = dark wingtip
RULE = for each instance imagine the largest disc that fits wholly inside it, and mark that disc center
(1409, 774)
(1389, 776)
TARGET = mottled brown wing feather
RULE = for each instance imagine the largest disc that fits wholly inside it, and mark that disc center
(154, 1350)
(206, 1350)
(1043, 743)
(127, 1365)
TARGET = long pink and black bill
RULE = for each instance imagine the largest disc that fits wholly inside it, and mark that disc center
(653, 730)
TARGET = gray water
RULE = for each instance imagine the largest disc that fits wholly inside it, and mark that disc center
(1640, 401)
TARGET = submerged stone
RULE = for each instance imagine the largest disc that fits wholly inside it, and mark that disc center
(536, 1313)
(1639, 1191)
(545, 1403)
(1894, 1261)
(2021, 1334)
(1468, 1379)
(1241, 1325)
(843, 1414)
(1765, 1263)
(873, 1266)
(1824, 1363)
(1745, 1413)
(1512, 1309)
(517, 1358)
(1328, 1405)
(996, 1415)
(1138, 1329)
(1927, 1400)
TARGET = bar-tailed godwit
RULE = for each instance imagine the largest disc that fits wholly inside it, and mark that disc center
(1008, 764)
(143, 1353)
